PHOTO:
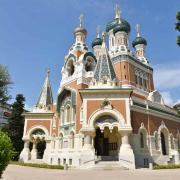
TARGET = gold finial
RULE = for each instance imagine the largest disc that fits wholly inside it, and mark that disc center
(117, 12)
(138, 30)
(98, 31)
(81, 19)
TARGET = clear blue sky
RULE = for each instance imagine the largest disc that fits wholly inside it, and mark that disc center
(37, 34)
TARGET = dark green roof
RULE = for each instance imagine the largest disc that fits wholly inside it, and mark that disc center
(97, 41)
(112, 24)
(139, 40)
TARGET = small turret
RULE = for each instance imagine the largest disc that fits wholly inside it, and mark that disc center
(140, 44)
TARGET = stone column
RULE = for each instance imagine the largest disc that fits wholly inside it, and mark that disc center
(25, 153)
(126, 154)
(34, 151)
(88, 152)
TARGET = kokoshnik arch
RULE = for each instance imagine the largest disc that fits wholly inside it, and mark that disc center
(106, 109)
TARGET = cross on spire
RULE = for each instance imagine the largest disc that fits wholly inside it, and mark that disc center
(138, 30)
(81, 19)
(117, 12)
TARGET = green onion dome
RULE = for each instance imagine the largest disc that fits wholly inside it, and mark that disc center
(97, 41)
(123, 25)
(139, 40)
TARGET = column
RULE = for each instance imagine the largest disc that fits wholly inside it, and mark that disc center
(34, 151)
(25, 153)
(88, 142)
(88, 152)
(126, 154)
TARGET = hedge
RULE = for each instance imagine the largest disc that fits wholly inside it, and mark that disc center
(169, 166)
(37, 165)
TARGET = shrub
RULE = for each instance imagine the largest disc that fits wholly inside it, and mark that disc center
(6, 151)
(38, 165)
(169, 166)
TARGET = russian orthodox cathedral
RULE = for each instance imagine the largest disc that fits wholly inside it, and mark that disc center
(106, 107)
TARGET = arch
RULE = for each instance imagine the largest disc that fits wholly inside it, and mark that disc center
(163, 134)
(90, 63)
(111, 112)
(43, 128)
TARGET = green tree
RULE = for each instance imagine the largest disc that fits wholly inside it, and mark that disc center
(178, 27)
(15, 125)
(4, 84)
(6, 151)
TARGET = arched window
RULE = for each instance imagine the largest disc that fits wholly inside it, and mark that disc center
(67, 113)
(70, 68)
(90, 64)
(163, 144)
(112, 40)
(141, 140)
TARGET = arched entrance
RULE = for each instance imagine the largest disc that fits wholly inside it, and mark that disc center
(38, 144)
(107, 139)
(163, 144)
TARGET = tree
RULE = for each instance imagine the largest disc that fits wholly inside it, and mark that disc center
(178, 26)
(15, 125)
(6, 151)
(4, 84)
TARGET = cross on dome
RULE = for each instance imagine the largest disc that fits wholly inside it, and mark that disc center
(81, 19)
(138, 30)
(117, 12)
(98, 31)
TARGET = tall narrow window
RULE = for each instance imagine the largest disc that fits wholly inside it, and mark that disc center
(141, 140)
(112, 41)
(68, 113)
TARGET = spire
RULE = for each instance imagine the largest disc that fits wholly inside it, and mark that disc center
(104, 67)
(138, 30)
(117, 12)
(45, 97)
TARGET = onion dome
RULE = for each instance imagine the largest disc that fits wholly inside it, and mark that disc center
(80, 30)
(138, 39)
(98, 41)
(118, 24)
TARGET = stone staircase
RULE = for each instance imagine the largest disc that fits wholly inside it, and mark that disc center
(168, 159)
(108, 165)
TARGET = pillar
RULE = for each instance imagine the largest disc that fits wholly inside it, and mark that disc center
(88, 151)
(126, 154)
(25, 153)
(34, 151)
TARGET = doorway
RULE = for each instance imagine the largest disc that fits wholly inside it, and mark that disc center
(163, 144)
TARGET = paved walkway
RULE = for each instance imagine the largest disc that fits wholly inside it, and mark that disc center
(14, 172)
